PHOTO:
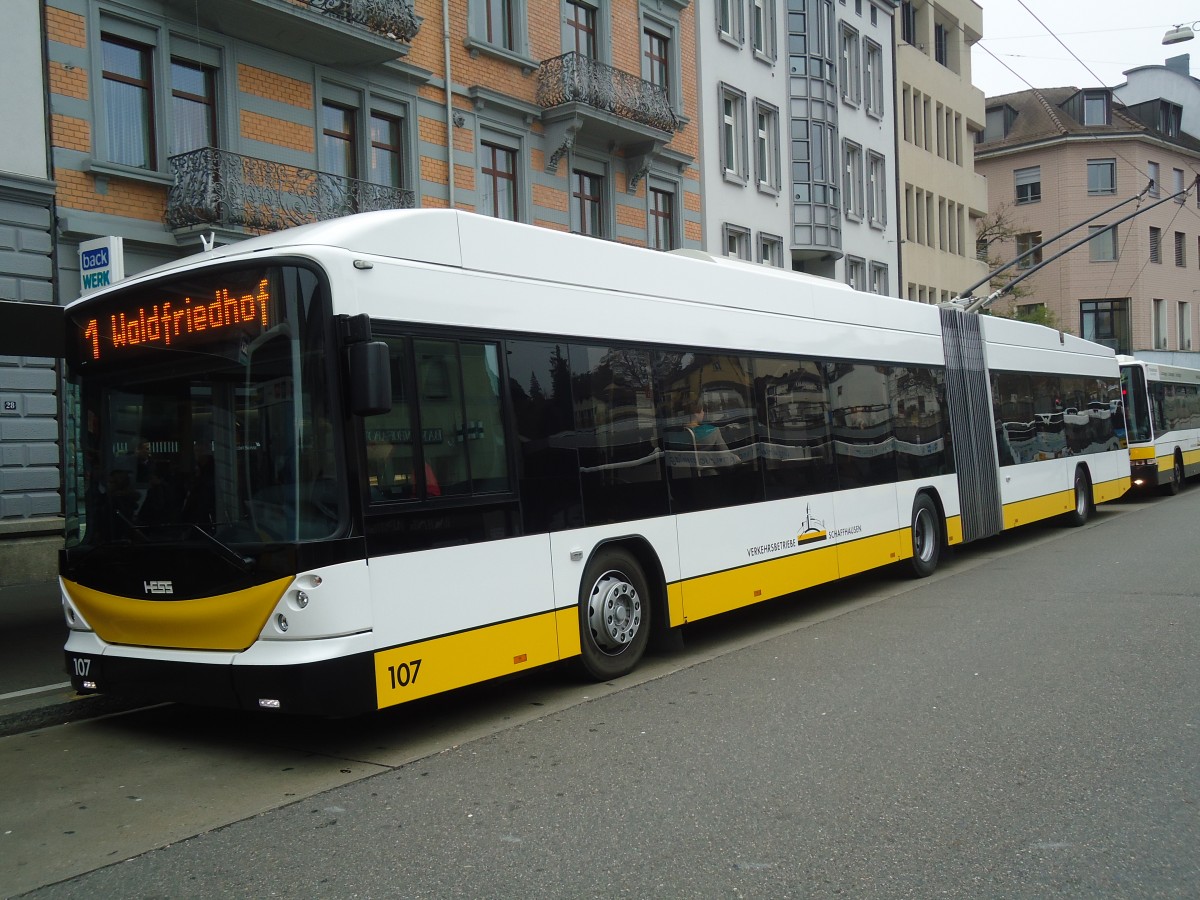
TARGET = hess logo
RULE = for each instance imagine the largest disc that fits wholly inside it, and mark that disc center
(158, 587)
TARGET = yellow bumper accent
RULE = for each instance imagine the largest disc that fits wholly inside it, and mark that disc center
(224, 622)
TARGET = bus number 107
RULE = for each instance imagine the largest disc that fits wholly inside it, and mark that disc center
(404, 674)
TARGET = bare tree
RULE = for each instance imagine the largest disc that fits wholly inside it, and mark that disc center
(995, 244)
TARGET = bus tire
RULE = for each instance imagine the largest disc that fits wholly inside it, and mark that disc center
(1083, 500)
(926, 537)
(1175, 485)
(614, 615)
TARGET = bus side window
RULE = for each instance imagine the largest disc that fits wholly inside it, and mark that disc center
(389, 437)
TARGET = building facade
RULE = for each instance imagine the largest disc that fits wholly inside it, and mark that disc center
(1059, 157)
(30, 507)
(940, 113)
(799, 138)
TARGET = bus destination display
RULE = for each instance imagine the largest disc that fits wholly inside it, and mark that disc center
(175, 323)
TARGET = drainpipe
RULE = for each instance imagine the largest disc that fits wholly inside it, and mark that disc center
(449, 103)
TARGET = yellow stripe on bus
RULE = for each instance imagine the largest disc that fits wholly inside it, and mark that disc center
(1167, 463)
(456, 660)
(224, 622)
(1110, 490)
(1141, 453)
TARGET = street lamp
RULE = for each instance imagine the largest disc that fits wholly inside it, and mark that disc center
(1180, 33)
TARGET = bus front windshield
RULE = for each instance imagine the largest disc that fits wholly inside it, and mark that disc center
(201, 409)
(1137, 413)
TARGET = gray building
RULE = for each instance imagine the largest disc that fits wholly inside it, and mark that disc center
(30, 505)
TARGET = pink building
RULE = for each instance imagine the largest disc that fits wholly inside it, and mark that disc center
(1054, 158)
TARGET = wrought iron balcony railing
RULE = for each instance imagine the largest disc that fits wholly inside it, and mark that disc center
(394, 19)
(574, 78)
(227, 190)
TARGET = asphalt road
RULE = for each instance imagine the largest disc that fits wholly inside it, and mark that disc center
(1024, 724)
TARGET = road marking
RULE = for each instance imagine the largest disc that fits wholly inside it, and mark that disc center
(37, 690)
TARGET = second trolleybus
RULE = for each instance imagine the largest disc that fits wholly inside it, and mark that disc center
(359, 462)
(1162, 409)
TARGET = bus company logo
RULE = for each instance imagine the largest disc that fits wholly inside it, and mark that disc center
(811, 531)
(158, 587)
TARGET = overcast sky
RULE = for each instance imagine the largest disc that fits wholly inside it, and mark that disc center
(1109, 36)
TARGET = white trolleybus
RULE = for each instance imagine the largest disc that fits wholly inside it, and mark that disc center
(1162, 409)
(341, 467)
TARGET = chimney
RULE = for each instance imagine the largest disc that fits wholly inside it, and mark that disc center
(1181, 64)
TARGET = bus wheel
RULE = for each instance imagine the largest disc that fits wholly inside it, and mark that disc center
(614, 615)
(926, 537)
(1083, 500)
(1175, 485)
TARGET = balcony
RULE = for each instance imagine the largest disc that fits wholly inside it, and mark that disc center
(589, 102)
(215, 189)
(330, 32)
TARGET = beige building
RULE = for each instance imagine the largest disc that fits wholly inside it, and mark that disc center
(938, 115)
(1055, 158)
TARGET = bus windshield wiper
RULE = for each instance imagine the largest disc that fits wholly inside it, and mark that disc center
(226, 552)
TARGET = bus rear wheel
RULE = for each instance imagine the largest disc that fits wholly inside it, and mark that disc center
(1083, 500)
(1175, 485)
(926, 537)
(614, 615)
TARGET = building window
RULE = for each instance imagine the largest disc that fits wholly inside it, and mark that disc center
(499, 188)
(1152, 168)
(1026, 242)
(1184, 325)
(1180, 252)
(852, 180)
(656, 52)
(941, 44)
(736, 241)
(386, 162)
(879, 278)
(1102, 176)
(1106, 322)
(856, 273)
(876, 189)
(762, 29)
(1103, 246)
(500, 30)
(128, 93)
(1155, 244)
(193, 107)
(766, 147)
(1170, 118)
(1029, 184)
(770, 250)
(851, 66)
(1158, 325)
(1096, 110)
(662, 219)
(733, 133)
(581, 29)
(908, 22)
(339, 152)
(1180, 197)
(873, 78)
(729, 20)
(587, 203)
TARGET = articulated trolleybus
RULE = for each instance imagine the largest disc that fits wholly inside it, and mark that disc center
(360, 462)
(1162, 409)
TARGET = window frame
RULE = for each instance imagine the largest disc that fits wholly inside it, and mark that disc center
(853, 201)
(477, 40)
(659, 222)
(874, 96)
(850, 58)
(876, 189)
(767, 171)
(737, 238)
(770, 249)
(1100, 166)
(1035, 187)
(489, 174)
(733, 133)
(1094, 242)
(763, 40)
(602, 200)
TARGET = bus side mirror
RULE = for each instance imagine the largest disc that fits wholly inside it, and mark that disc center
(370, 378)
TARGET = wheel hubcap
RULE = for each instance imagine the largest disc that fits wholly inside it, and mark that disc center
(1081, 503)
(923, 535)
(614, 612)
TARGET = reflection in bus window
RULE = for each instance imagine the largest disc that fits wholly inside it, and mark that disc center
(863, 435)
(1040, 417)
(922, 427)
(794, 441)
(620, 465)
(539, 388)
(708, 424)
